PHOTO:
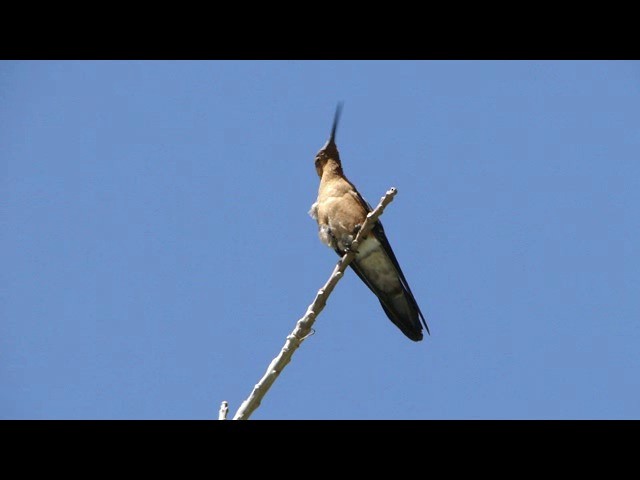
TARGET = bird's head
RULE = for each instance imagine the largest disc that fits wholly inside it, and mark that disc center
(329, 151)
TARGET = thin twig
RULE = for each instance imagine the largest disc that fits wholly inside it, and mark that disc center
(303, 327)
(224, 409)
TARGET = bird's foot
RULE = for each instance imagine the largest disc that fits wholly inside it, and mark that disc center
(351, 247)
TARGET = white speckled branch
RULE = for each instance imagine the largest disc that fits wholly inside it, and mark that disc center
(303, 327)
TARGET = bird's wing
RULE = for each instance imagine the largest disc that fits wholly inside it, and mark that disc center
(379, 234)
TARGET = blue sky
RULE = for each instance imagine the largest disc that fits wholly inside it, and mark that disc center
(156, 246)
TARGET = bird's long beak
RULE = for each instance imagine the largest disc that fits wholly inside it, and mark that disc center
(330, 145)
(336, 119)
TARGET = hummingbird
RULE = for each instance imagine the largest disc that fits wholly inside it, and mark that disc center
(340, 211)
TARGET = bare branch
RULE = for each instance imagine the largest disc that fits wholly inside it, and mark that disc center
(224, 409)
(303, 327)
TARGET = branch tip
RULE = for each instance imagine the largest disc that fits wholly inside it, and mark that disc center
(224, 409)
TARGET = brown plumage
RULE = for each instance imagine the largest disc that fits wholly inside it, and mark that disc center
(340, 210)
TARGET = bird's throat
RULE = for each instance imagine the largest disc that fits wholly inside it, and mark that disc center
(331, 170)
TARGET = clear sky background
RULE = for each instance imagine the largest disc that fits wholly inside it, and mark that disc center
(156, 248)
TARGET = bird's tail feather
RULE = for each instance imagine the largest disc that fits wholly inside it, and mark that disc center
(404, 315)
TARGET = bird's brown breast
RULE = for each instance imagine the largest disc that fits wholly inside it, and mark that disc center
(339, 210)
